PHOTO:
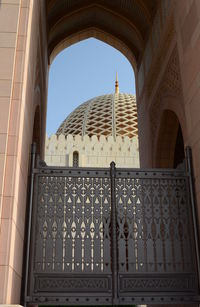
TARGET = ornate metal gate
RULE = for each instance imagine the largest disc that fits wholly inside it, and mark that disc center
(111, 237)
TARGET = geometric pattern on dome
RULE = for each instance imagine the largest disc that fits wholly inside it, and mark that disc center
(73, 124)
(126, 116)
(112, 114)
(99, 120)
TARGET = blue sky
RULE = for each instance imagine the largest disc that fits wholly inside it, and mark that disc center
(81, 72)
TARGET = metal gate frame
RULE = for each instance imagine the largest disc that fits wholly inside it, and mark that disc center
(119, 287)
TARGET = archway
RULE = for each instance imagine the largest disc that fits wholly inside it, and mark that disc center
(124, 22)
(93, 32)
(34, 26)
(121, 25)
(170, 144)
(179, 148)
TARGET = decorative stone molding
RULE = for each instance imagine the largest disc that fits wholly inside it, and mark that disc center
(172, 77)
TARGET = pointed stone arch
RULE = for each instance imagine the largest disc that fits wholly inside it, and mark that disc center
(170, 143)
(93, 32)
(122, 24)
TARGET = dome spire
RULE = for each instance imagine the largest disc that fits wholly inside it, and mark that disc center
(116, 85)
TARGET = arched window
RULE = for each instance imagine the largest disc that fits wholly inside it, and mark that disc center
(75, 159)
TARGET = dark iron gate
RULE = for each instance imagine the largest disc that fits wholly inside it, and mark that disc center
(112, 237)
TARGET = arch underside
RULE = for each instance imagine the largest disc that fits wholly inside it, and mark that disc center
(123, 24)
(95, 33)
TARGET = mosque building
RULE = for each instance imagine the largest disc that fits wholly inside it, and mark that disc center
(99, 131)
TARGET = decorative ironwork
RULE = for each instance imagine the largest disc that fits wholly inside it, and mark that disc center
(154, 223)
(73, 218)
(112, 237)
(75, 284)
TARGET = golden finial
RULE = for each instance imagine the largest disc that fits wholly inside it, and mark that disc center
(116, 85)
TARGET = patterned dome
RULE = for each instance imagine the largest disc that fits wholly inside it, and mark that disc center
(113, 114)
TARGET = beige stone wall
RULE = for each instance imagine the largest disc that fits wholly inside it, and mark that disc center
(93, 152)
(149, 79)
(21, 40)
(169, 79)
(10, 38)
(187, 22)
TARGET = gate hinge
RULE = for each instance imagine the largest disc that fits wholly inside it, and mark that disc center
(35, 171)
(28, 298)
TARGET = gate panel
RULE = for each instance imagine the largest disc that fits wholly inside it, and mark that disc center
(72, 246)
(155, 237)
(111, 237)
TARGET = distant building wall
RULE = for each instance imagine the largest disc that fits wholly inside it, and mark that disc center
(93, 152)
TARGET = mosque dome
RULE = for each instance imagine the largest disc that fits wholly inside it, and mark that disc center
(99, 131)
(109, 115)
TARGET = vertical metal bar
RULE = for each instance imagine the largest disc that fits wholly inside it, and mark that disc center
(114, 237)
(30, 203)
(188, 153)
